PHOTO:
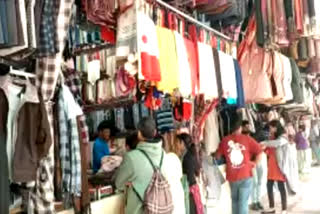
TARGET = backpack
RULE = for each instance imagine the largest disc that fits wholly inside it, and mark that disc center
(157, 198)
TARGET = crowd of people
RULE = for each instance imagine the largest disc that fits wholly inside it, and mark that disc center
(181, 168)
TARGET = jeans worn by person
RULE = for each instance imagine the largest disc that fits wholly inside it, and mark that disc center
(240, 192)
(316, 150)
(258, 173)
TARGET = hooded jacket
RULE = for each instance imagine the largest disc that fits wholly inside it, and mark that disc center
(137, 170)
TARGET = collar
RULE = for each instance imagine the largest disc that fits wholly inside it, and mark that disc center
(30, 94)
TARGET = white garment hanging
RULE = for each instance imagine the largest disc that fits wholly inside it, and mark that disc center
(228, 76)
(207, 74)
(185, 87)
(287, 79)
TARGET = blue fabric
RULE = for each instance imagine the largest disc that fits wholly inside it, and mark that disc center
(257, 183)
(241, 99)
(100, 149)
(3, 21)
(240, 192)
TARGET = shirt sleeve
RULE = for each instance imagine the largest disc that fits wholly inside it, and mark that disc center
(99, 152)
(125, 173)
(255, 147)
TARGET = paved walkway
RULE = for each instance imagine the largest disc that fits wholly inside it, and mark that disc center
(305, 202)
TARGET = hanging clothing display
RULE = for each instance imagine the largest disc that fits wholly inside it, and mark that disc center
(168, 61)
(69, 143)
(228, 78)
(185, 86)
(207, 75)
(148, 48)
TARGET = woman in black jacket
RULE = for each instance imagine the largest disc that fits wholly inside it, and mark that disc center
(191, 168)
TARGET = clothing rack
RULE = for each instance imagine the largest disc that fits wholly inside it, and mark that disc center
(193, 20)
(22, 73)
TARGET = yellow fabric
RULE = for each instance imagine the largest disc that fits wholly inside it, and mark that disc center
(168, 60)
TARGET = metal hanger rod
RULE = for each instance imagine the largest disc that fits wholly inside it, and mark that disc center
(193, 20)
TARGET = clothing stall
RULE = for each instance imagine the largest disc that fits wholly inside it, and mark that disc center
(68, 65)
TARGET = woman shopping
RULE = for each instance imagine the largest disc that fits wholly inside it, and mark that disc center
(191, 168)
(280, 166)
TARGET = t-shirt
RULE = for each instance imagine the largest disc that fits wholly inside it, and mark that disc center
(239, 149)
(100, 149)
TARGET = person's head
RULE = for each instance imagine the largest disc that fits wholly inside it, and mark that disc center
(276, 128)
(147, 129)
(302, 128)
(132, 141)
(245, 127)
(236, 124)
(104, 130)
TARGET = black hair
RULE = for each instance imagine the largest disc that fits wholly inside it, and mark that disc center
(236, 122)
(107, 125)
(245, 123)
(302, 127)
(147, 127)
(104, 125)
(132, 140)
(186, 139)
(280, 129)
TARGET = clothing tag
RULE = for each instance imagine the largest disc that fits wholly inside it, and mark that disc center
(93, 71)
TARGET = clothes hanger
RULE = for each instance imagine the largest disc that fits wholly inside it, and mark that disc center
(21, 73)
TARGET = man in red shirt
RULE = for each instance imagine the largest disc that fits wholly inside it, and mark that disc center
(239, 150)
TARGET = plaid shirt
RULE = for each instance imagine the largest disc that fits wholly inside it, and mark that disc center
(48, 69)
(47, 39)
(73, 81)
(69, 147)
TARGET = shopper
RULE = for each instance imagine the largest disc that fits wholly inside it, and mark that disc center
(302, 144)
(102, 144)
(242, 154)
(258, 173)
(191, 167)
(173, 173)
(135, 172)
(281, 165)
(314, 141)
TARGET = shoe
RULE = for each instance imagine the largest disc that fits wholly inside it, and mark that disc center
(259, 205)
(254, 207)
(269, 211)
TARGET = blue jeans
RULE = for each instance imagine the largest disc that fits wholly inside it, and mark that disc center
(316, 150)
(240, 192)
(257, 183)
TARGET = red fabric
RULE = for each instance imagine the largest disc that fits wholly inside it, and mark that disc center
(108, 35)
(248, 147)
(192, 48)
(274, 172)
(298, 16)
(150, 67)
(195, 192)
(193, 62)
(187, 110)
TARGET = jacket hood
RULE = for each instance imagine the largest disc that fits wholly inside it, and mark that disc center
(153, 149)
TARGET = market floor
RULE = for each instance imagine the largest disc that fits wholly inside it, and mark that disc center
(307, 201)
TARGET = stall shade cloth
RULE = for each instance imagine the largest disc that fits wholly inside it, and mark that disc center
(185, 86)
(207, 75)
(168, 60)
(148, 48)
